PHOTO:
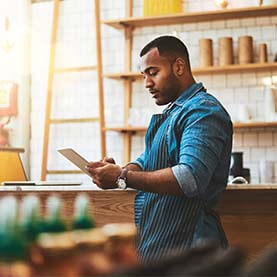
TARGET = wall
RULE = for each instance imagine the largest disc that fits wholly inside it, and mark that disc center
(76, 44)
(15, 67)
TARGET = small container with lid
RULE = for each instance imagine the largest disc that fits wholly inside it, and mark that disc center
(91, 256)
(54, 255)
(121, 244)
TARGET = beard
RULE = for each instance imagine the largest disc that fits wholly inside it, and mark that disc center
(170, 92)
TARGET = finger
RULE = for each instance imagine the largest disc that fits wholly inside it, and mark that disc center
(97, 182)
(93, 171)
(95, 164)
(109, 160)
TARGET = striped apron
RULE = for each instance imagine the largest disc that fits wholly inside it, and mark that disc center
(166, 223)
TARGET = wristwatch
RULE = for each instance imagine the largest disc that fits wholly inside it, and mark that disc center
(122, 179)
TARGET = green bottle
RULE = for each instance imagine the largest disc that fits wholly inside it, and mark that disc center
(13, 246)
(31, 223)
(82, 218)
(54, 222)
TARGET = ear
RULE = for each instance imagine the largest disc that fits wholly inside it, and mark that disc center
(179, 67)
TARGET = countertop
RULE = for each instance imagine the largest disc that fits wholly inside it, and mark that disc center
(91, 188)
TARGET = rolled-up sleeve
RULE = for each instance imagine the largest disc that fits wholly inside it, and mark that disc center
(202, 141)
(185, 179)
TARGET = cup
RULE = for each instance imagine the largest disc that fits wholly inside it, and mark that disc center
(226, 55)
(266, 171)
(206, 52)
(245, 49)
(262, 53)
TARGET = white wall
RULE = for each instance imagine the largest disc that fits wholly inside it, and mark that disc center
(76, 46)
(15, 66)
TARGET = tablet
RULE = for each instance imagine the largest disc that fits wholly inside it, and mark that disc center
(75, 158)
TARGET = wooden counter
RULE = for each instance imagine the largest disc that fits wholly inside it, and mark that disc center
(248, 212)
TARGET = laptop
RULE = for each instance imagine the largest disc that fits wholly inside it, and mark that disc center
(25, 182)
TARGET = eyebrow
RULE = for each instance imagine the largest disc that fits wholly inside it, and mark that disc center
(148, 69)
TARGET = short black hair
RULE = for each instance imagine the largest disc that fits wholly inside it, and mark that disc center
(168, 46)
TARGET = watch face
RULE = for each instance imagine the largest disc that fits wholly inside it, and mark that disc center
(121, 184)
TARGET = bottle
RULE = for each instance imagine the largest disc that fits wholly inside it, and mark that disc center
(54, 253)
(91, 256)
(31, 223)
(82, 219)
(54, 222)
(14, 256)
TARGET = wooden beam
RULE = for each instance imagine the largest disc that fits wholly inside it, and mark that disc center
(74, 120)
(49, 89)
(75, 69)
(65, 172)
(100, 82)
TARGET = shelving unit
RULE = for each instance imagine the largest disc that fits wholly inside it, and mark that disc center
(253, 67)
(129, 23)
(192, 17)
(236, 125)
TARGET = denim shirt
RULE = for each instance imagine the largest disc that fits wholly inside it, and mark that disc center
(198, 139)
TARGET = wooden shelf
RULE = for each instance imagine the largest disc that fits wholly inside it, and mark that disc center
(237, 125)
(235, 68)
(124, 75)
(127, 129)
(192, 17)
(75, 69)
(74, 120)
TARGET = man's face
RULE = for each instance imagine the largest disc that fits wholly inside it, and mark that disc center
(159, 77)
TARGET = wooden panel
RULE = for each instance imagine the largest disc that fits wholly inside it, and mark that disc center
(249, 215)
(106, 206)
(192, 17)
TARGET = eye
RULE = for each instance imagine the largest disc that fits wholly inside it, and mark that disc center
(153, 73)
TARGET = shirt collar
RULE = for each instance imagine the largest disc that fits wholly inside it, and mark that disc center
(187, 94)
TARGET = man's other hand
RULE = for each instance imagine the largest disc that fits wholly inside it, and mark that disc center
(104, 174)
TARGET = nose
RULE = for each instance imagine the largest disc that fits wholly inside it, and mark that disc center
(148, 82)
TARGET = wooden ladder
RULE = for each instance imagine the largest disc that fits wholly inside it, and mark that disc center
(51, 71)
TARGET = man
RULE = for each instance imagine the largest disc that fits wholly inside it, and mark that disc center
(184, 168)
